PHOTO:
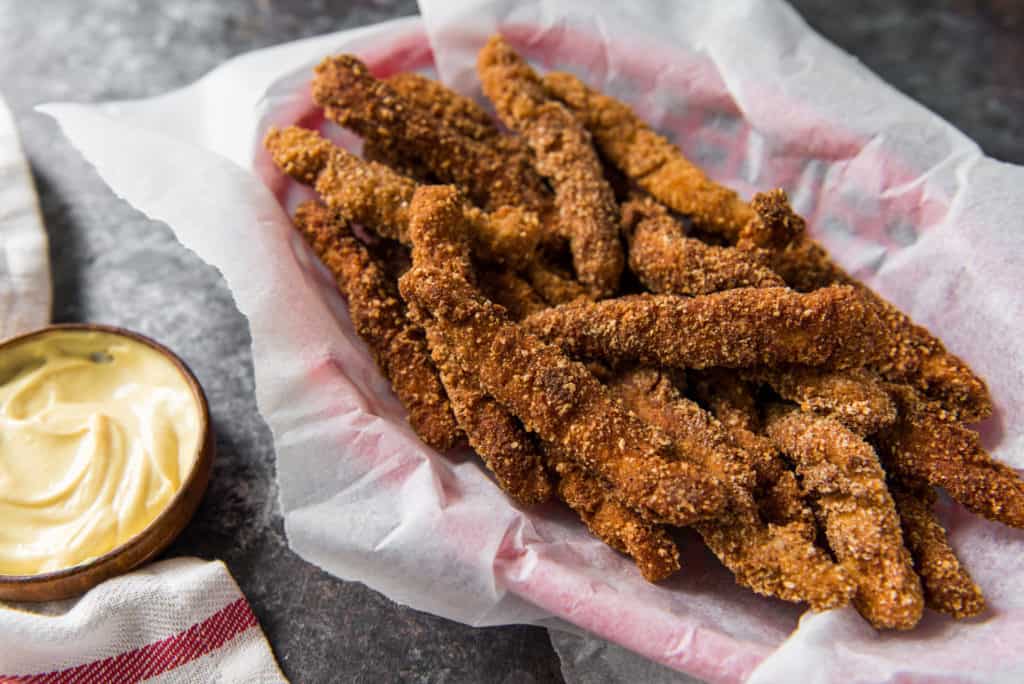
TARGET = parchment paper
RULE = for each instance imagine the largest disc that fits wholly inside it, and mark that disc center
(750, 92)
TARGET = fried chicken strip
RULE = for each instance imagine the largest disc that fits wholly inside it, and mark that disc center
(649, 159)
(667, 261)
(854, 396)
(507, 450)
(565, 155)
(498, 438)
(553, 286)
(737, 328)
(948, 588)
(353, 98)
(462, 113)
(775, 225)
(772, 560)
(649, 545)
(859, 516)
(512, 292)
(375, 196)
(927, 443)
(912, 355)
(380, 319)
(779, 497)
(554, 397)
(652, 394)
(397, 160)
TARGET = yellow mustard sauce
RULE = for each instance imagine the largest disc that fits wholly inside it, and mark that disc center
(97, 434)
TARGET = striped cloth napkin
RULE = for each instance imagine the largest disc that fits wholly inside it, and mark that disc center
(181, 620)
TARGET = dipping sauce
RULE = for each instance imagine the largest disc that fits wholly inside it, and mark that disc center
(97, 434)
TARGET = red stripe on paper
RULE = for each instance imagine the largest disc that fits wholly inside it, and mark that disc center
(158, 657)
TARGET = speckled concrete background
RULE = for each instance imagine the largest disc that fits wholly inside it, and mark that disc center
(962, 58)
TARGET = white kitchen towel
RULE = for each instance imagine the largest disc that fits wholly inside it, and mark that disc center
(25, 291)
(180, 620)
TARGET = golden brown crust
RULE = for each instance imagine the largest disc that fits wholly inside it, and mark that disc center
(668, 262)
(353, 98)
(397, 160)
(649, 545)
(380, 319)
(774, 224)
(779, 497)
(806, 266)
(948, 588)
(737, 328)
(367, 193)
(704, 441)
(441, 237)
(927, 443)
(507, 450)
(554, 286)
(915, 356)
(655, 164)
(772, 560)
(375, 196)
(842, 472)
(911, 354)
(301, 153)
(512, 292)
(564, 154)
(556, 398)
(854, 396)
(463, 114)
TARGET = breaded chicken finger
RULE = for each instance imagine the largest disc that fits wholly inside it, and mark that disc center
(397, 160)
(854, 396)
(353, 98)
(779, 497)
(773, 560)
(911, 354)
(928, 444)
(667, 261)
(649, 545)
(737, 328)
(375, 196)
(495, 434)
(554, 397)
(380, 319)
(586, 206)
(463, 114)
(505, 447)
(553, 285)
(654, 163)
(843, 473)
(512, 292)
(948, 588)
(775, 225)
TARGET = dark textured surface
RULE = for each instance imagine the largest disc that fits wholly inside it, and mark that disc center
(110, 264)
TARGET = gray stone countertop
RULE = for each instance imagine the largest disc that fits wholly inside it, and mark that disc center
(961, 58)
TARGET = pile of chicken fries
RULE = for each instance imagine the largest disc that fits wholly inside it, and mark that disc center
(563, 290)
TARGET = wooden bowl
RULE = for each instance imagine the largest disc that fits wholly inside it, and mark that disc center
(158, 535)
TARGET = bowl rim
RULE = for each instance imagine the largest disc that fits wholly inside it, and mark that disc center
(194, 472)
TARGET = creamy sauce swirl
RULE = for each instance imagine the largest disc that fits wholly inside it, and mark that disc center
(97, 434)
